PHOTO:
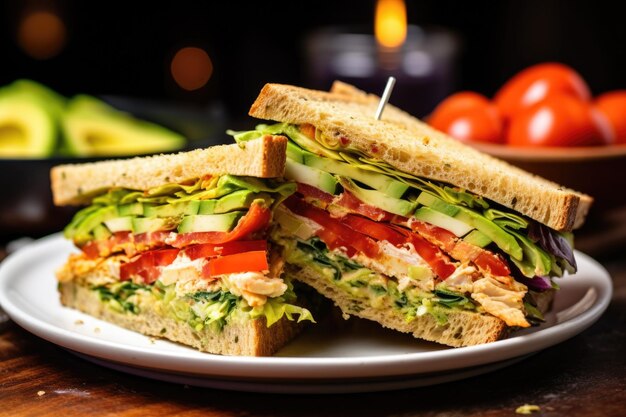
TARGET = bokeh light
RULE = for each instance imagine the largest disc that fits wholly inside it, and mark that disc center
(191, 68)
(41, 34)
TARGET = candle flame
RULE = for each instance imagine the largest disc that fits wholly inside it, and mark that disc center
(390, 24)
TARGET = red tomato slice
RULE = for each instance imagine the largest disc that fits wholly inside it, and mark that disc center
(255, 261)
(208, 250)
(493, 263)
(357, 240)
(432, 254)
(125, 242)
(315, 193)
(146, 265)
(485, 260)
(335, 242)
(378, 231)
(256, 219)
(349, 201)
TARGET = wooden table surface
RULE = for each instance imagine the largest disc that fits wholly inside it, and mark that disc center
(584, 376)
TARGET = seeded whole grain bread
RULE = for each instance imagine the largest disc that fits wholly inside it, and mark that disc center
(464, 328)
(244, 337)
(75, 184)
(413, 147)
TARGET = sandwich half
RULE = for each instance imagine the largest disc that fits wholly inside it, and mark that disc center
(175, 246)
(397, 223)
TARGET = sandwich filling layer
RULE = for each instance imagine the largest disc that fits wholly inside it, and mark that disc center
(196, 251)
(429, 247)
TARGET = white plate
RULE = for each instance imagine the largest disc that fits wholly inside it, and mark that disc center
(347, 357)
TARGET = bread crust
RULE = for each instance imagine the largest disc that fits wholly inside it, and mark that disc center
(244, 338)
(416, 148)
(75, 184)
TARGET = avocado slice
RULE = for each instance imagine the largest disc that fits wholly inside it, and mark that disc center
(54, 102)
(172, 210)
(81, 232)
(100, 232)
(428, 215)
(239, 200)
(209, 222)
(310, 176)
(93, 128)
(378, 199)
(27, 126)
(120, 224)
(504, 240)
(383, 183)
(477, 238)
(130, 209)
(536, 261)
(151, 224)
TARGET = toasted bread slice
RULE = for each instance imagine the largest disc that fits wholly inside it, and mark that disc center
(413, 147)
(77, 183)
(464, 328)
(244, 337)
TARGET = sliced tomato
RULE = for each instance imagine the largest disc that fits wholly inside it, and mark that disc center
(335, 242)
(95, 249)
(358, 241)
(255, 261)
(256, 220)
(437, 235)
(349, 201)
(485, 260)
(309, 191)
(209, 250)
(146, 265)
(433, 255)
(493, 263)
(378, 231)
(150, 239)
(125, 242)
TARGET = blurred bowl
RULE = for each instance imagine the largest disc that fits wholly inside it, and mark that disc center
(592, 170)
(26, 207)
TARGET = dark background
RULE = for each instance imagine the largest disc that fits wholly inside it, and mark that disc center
(124, 48)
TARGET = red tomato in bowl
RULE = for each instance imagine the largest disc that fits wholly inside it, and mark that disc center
(536, 83)
(613, 106)
(560, 121)
(468, 117)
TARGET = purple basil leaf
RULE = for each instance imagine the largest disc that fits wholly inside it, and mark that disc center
(552, 242)
(537, 283)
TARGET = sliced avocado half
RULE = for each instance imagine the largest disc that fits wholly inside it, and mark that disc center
(27, 124)
(93, 128)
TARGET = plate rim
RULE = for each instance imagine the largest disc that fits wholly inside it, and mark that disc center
(283, 367)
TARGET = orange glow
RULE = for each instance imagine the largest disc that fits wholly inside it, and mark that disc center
(41, 34)
(191, 68)
(390, 24)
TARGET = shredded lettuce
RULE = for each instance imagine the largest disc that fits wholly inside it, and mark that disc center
(120, 296)
(215, 309)
(105, 206)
